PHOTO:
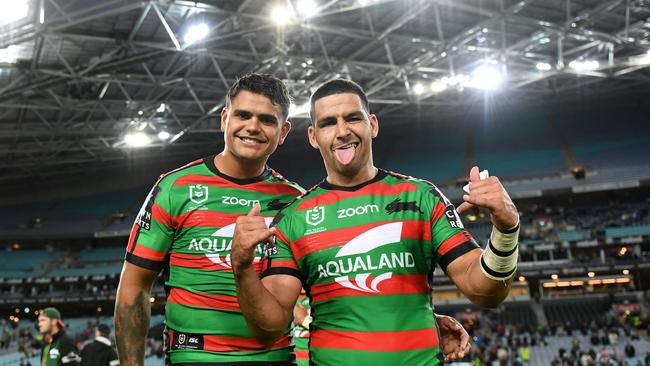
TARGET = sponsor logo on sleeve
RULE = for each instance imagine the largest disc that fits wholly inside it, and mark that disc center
(144, 215)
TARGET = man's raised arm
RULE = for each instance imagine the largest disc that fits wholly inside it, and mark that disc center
(267, 306)
(485, 276)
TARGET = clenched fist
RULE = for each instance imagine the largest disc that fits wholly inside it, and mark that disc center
(489, 193)
(250, 230)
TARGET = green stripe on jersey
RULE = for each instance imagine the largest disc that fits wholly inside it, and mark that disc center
(182, 356)
(374, 313)
(335, 357)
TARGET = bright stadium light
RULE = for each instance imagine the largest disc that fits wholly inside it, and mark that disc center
(13, 11)
(486, 77)
(137, 139)
(196, 33)
(307, 8)
(9, 55)
(163, 135)
(418, 88)
(587, 65)
(298, 110)
(161, 108)
(438, 86)
(543, 66)
(281, 15)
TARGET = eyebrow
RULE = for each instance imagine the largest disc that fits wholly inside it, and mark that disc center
(262, 116)
(323, 120)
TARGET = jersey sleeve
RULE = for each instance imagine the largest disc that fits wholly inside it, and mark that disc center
(152, 232)
(449, 237)
(280, 259)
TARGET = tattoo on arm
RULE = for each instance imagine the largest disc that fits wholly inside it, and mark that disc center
(131, 325)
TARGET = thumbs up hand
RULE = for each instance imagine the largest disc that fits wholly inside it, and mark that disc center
(489, 193)
(250, 230)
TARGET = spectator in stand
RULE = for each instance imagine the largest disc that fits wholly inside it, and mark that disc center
(100, 352)
(59, 349)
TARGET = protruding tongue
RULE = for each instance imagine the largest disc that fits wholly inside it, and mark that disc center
(344, 156)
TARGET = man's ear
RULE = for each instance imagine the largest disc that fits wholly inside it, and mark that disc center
(224, 119)
(374, 125)
(312, 137)
(286, 127)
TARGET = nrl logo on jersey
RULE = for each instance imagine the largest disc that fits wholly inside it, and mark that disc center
(354, 257)
(315, 216)
(198, 193)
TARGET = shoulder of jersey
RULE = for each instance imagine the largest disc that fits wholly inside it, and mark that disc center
(418, 181)
(172, 175)
(281, 178)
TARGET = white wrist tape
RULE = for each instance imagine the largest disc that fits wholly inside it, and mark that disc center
(499, 258)
(305, 322)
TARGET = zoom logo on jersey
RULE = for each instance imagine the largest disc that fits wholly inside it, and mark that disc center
(221, 241)
(354, 211)
(353, 257)
(231, 200)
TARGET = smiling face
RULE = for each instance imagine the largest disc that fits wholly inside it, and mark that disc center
(343, 132)
(253, 128)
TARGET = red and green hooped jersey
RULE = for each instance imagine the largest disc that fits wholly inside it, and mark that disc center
(185, 227)
(364, 255)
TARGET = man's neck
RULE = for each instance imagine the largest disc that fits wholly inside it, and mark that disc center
(231, 166)
(364, 175)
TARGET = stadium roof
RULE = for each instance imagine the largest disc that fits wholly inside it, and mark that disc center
(77, 76)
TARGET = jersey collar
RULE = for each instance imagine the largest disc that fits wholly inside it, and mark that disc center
(332, 187)
(209, 162)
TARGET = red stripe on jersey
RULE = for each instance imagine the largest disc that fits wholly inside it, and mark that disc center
(438, 212)
(413, 229)
(159, 214)
(451, 242)
(135, 229)
(375, 341)
(216, 343)
(216, 181)
(204, 218)
(148, 253)
(285, 264)
(377, 189)
(396, 285)
(301, 354)
(200, 261)
(208, 301)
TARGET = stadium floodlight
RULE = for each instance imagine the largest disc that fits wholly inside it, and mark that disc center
(418, 88)
(163, 135)
(196, 32)
(591, 274)
(438, 86)
(307, 8)
(137, 139)
(543, 66)
(301, 110)
(587, 65)
(13, 11)
(281, 15)
(486, 77)
(161, 108)
(9, 55)
(642, 59)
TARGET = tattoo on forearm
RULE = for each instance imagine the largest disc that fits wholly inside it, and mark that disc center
(131, 324)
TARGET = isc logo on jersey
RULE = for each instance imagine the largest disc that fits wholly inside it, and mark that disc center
(221, 241)
(353, 257)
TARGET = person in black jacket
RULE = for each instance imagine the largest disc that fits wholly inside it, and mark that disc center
(100, 352)
(59, 349)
